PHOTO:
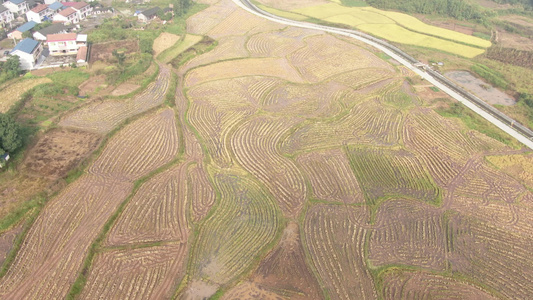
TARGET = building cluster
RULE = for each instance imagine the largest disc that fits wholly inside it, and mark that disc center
(61, 12)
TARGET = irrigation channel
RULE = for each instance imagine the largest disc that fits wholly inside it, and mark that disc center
(491, 114)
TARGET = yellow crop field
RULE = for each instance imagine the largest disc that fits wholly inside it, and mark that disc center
(164, 41)
(399, 28)
(395, 33)
(12, 93)
(282, 13)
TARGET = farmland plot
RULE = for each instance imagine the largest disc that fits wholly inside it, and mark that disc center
(283, 273)
(142, 273)
(254, 145)
(156, 212)
(491, 255)
(164, 41)
(228, 48)
(56, 245)
(331, 176)
(366, 123)
(325, 56)
(273, 44)
(11, 93)
(408, 233)
(245, 220)
(386, 173)
(422, 285)
(208, 18)
(139, 149)
(241, 21)
(334, 238)
(200, 192)
(103, 117)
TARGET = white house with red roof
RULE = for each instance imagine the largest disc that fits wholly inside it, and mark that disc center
(82, 8)
(39, 13)
(65, 43)
(67, 16)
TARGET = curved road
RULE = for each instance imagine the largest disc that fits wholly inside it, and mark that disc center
(248, 6)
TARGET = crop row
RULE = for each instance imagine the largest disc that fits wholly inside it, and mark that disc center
(368, 122)
(103, 117)
(139, 148)
(157, 212)
(334, 241)
(241, 21)
(245, 220)
(384, 173)
(361, 78)
(270, 44)
(200, 192)
(227, 48)
(319, 100)
(408, 233)
(142, 273)
(254, 145)
(331, 177)
(56, 245)
(422, 285)
(275, 67)
(208, 18)
(492, 255)
(325, 56)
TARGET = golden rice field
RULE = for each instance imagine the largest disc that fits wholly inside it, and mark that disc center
(294, 165)
(398, 27)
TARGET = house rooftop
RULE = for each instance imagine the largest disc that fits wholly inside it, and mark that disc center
(26, 26)
(81, 38)
(151, 12)
(27, 45)
(55, 6)
(67, 12)
(39, 8)
(61, 37)
(54, 28)
(17, 1)
(2, 8)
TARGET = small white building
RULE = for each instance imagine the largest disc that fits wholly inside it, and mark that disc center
(39, 13)
(17, 6)
(29, 51)
(65, 43)
(148, 15)
(67, 16)
(6, 17)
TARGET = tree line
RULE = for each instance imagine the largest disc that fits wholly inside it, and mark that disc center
(457, 9)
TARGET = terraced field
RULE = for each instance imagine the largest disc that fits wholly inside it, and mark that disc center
(294, 165)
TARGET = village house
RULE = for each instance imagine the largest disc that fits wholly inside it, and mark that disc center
(41, 34)
(148, 15)
(6, 17)
(82, 8)
(17, 33)
(66, 43)
(67, 16)
(19, 7)
(39, 13)
(29, 52)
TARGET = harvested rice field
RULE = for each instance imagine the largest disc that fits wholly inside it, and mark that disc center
(293, 164)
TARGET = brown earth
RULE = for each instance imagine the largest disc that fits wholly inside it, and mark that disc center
(103, 51)
(58, 151)
(124, 89)
(95, 86)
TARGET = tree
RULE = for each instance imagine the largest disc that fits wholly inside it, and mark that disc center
(121, 57)
(10, 138)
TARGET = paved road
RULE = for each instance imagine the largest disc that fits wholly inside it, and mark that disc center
(245, 4)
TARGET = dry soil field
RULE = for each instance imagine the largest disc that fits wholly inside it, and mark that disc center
(294, 165)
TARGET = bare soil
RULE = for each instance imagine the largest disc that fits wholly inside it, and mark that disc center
(480, 88)
(103, 51)
(124, 89)
(95, 86)
(58, 151)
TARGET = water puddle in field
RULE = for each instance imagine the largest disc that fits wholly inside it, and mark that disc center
(480, 88)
